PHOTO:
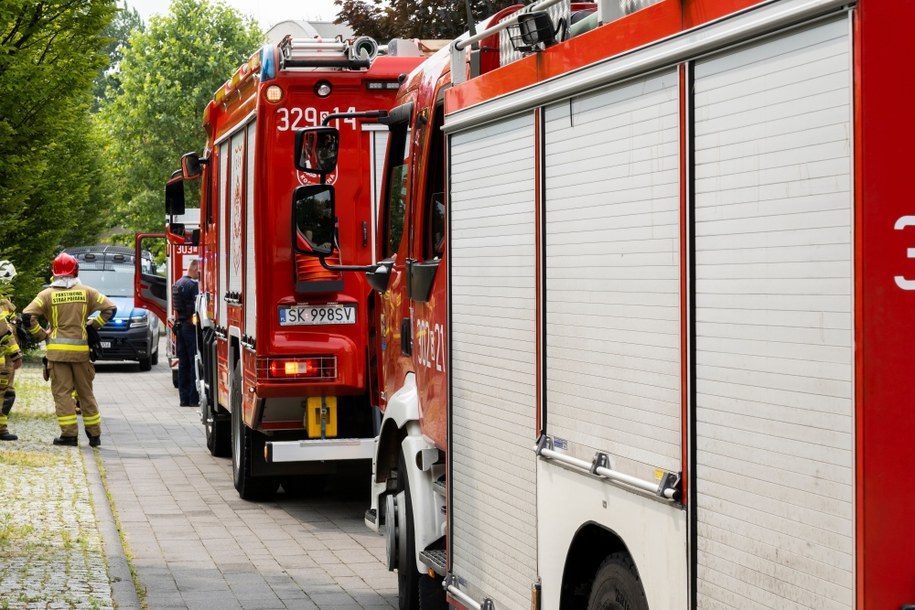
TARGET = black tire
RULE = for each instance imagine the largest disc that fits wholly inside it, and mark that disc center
(617, 586)
(407, 574)
(145, 364)
(175, 378)
(154, 358)
(248, 486)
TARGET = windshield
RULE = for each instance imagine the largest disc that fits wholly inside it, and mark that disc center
(117, 283)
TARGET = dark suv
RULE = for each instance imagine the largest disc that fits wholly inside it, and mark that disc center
(133, 333)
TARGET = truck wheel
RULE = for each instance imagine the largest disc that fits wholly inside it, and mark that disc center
(175, 378)
(617, 586)
(243, 441)
(407, 574)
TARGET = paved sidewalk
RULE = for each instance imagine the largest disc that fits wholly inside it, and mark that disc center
(195, 544)
(191, 541)
(51, 553)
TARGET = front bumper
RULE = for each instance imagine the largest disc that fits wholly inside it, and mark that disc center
(127, 344)
(320, 450)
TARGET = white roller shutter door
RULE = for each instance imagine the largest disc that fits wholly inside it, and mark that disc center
(774, 324)
(235, 255)
(221, 261)
(493, 299)
(250, 295)
(613, 275)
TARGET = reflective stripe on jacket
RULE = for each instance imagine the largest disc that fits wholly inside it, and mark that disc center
(67, 310)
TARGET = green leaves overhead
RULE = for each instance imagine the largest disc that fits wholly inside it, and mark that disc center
(167, 75)
(51, 178)
(68, 174)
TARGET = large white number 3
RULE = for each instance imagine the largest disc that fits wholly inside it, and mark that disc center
(901, 281)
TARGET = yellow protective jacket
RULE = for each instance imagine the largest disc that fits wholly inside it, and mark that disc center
(67, 311)
(9, 347)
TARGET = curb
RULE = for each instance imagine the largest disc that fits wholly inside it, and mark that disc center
(123, 593)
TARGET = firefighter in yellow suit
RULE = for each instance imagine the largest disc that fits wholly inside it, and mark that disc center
(67, 305)
(10, 355)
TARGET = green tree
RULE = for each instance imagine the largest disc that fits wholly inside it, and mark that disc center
(168, 74)
(52, 187)
(125, 24)
(441, 19)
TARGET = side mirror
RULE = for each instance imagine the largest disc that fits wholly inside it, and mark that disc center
(313, 220)
(174, 196)
(316, 150)
(191, 166)
(379, 278)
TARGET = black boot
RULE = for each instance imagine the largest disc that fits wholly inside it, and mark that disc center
(95, 441)
(6, 436)
(70, 441)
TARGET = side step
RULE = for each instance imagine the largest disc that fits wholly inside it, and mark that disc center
(371, 518)
(434, 560)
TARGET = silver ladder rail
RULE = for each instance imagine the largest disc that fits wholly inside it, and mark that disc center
(458, 46)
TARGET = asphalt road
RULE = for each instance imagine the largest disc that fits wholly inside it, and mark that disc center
(195, 544)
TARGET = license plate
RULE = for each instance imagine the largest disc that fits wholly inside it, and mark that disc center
(316, 315)
(106, 344)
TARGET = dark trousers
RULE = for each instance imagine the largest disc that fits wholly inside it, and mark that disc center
(186, 346)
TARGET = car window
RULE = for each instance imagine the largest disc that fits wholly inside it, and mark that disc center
(117, 283)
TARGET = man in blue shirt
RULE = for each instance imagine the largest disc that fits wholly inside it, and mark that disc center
(183, 297)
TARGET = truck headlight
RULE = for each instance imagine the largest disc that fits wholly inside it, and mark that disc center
(138, 321)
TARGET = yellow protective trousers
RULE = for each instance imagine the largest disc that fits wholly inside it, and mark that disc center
(69, 376)
(7, 393)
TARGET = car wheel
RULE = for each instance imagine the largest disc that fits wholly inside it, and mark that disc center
(154, 358)
(145, 364)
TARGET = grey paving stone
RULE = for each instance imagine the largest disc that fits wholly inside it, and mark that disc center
(194, 543)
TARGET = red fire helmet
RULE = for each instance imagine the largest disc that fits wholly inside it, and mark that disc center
(65, 264)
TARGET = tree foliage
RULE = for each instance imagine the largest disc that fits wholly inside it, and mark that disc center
(52, 186)
(441, 19)
(125, 24)
(168, 74)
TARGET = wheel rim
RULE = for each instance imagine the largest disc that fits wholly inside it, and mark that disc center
(236, 443)
(390, 530)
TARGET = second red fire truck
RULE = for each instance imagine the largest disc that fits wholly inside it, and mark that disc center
(646, 286)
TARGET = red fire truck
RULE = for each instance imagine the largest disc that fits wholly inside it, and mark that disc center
(282, 342)
(182, 231)
(660, 358)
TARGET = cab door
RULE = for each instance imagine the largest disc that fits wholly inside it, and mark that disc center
(396, 340)
(151, 283)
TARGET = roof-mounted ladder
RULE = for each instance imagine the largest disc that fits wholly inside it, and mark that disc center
(353, 54)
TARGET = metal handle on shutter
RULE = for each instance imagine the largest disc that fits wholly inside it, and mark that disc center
(667, 488)
(450, 584)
